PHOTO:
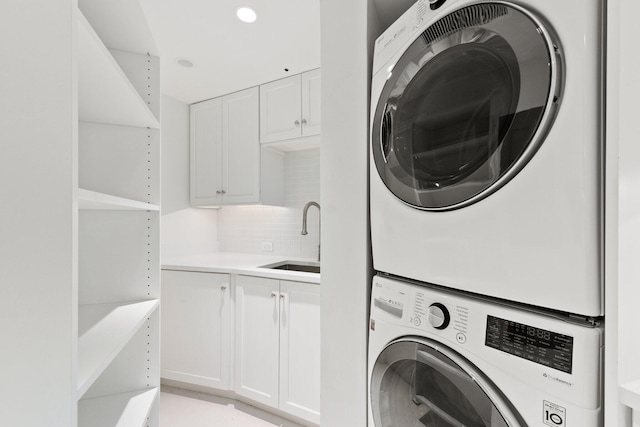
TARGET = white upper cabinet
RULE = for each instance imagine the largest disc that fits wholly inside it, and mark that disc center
(228, 166)
(241, 148)
(311, 103)
(206, 153)
(290, 108)
(280, 109)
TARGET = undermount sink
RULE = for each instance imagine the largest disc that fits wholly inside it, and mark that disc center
(302, 266)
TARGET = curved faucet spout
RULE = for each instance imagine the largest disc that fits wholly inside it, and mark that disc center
(304, 216)
(304, 222)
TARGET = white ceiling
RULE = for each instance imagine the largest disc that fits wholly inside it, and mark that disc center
(228, 54)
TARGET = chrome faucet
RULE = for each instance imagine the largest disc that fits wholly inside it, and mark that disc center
(304, 222)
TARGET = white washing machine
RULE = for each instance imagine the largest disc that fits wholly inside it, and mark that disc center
(442, 359)
(486, 149)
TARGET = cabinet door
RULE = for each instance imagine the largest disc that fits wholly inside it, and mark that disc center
(206, 153)
(241, 150)
(280, 116)
(196, 325)
(257, 335)
(300, 350)
(311, 103)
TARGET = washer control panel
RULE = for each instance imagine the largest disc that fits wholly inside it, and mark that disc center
(417, 308)
(438, 315)
(538, 345)
(550, 353)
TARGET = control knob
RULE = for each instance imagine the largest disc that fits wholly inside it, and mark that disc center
(438, 316)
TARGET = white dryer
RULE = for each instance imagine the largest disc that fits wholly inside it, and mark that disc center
(486, 149)
(442, 359)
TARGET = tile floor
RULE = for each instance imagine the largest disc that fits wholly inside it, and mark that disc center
(184, 408)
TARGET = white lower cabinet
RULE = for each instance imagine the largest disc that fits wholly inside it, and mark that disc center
(277, 359)
(300, 350)
(257, 339)
(196, 325)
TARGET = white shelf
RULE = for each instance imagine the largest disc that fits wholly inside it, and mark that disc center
(91, 200)
(118, 410)
(105, 94)
(104, 330)
(131, 34)
(630, 395)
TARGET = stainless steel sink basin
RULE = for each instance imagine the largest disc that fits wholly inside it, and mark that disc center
(303, 266)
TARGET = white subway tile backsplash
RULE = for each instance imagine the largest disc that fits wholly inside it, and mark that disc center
(244, 228)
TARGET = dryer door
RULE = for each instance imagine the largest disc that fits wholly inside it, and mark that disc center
(422, 383)
(466, 106)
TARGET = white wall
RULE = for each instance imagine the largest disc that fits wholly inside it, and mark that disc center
(185, 230)
(38, 227)
(242, 229)
(629, 193)
(623, 207)
(345, 53)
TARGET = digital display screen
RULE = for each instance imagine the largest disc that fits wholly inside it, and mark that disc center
(528, 342)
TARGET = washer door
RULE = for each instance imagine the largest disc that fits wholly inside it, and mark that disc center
(466, 106)
(421, 383)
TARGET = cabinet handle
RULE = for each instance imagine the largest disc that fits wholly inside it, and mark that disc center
(223, 288)
(274, 294)
(221, 192)
(304, 121)
(297, 122)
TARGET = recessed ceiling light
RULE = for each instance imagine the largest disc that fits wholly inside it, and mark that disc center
(186, 63)
(246, 14)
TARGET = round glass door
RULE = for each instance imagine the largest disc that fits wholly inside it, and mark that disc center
(423, 384)
(466, 106)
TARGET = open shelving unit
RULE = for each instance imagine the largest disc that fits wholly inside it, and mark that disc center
(118, 198)
(101, 78)
(104, 330)
(92, 200)
(121, 410)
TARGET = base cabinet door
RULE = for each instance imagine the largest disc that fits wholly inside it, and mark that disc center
(300, 350)
(257, 335)
(278, 344)
(196, 325)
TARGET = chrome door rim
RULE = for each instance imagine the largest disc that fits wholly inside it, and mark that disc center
(546, 121)
(500, 402)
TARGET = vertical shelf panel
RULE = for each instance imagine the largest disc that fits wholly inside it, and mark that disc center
(105, 94)
(120, 410)
(119, 256)
(136, 367)
(120, 160)
(130, 34)
(104, 330)
(143, 71)
(91, 200)
(118, 239)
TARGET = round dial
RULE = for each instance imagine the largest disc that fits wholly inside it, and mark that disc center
(438, 316)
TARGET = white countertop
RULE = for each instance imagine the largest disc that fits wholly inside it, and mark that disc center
(234, 263)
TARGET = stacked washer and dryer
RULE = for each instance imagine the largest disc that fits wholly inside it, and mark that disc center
(486, 215)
